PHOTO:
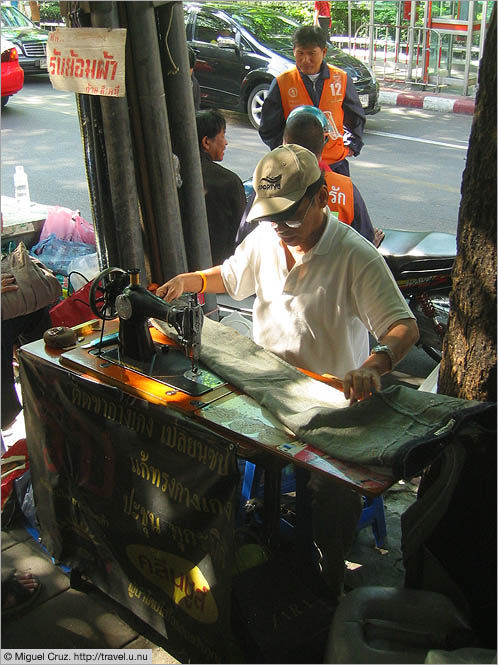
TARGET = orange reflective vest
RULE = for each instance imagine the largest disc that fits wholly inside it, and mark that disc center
(293, 93)
(340, 189)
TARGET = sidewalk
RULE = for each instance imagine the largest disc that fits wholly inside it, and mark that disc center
(444, 102)
(66, 618)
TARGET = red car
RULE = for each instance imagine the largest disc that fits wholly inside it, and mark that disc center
(12, 73)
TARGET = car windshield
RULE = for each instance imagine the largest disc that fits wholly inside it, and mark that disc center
(272, 30)
(12, 18)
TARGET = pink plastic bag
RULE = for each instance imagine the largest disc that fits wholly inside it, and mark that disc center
(67, 225)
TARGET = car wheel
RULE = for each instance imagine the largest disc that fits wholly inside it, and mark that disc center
(4, 101)
(255, 103)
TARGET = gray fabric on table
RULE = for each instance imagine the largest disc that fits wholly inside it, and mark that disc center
(399, 428)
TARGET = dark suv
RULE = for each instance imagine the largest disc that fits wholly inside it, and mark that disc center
(29, 39)
(241, 48)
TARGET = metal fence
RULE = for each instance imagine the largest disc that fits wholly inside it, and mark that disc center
(411, 54)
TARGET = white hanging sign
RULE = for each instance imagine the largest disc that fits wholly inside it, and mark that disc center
(88, 60)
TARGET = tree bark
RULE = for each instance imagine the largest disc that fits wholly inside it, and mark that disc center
(35, 12)
(468, 367)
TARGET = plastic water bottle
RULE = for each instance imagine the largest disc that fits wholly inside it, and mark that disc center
(21, 188)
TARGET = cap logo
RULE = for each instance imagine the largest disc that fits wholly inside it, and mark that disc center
(270, 183)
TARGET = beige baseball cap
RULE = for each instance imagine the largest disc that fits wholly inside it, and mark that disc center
(281, 179)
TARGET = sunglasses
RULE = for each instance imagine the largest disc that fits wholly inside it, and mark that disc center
(291, 223)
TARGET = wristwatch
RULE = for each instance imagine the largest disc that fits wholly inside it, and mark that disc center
(383, 348)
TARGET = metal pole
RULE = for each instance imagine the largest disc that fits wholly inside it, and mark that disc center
(151, 102)
(99, 194)
(372, 37)
(483, 28)
(397, 37)
(183, 128)
(349, 27)
(120, 164)
(90, 120)
(468, 50)
(427, 40)
(411, 38)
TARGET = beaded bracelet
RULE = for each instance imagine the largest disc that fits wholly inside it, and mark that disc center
(204, 281)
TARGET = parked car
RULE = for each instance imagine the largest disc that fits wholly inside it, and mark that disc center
(12, 74)
(29, 39)
(241, 48)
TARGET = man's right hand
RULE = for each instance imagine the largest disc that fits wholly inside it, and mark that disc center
(192, 282)
(176, 287)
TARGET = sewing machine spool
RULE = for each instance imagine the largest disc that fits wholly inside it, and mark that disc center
(116, 292)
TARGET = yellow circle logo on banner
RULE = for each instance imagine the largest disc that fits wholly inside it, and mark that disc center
(179, 578)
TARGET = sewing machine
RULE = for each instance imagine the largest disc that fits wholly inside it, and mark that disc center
(117, 292)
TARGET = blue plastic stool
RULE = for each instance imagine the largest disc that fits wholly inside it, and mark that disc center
(373, 509)
(373, 515)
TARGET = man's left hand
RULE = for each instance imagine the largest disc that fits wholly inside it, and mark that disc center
(361, 383)
(9, 283)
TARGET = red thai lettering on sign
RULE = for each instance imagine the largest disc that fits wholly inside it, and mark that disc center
(71, 66)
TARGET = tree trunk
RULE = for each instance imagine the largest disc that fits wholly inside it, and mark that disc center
(35, 12)
(468, 367)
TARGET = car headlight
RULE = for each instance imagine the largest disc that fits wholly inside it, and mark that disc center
(372, 74)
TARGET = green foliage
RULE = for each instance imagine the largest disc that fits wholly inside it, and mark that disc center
(299, 11)
(386, 12)
(360, 13)
(50, 12)
(303, 13)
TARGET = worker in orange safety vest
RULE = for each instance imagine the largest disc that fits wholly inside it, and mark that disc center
(314, 82)
(308, 127)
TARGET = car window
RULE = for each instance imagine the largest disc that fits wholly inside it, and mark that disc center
(209, 28)
(270, 29)
(12, 18)
(245, 46)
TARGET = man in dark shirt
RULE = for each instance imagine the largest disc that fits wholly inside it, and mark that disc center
(223, 189)
(318, 78)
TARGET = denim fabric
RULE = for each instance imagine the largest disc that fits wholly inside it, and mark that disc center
(400, 430)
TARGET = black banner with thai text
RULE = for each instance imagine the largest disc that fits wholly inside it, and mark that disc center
(138, 498)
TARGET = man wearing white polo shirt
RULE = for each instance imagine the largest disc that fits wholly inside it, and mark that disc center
(320, 288)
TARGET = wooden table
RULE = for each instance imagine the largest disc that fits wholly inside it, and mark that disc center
(136, 483)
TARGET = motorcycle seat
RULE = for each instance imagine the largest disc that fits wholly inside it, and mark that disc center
(418, 253)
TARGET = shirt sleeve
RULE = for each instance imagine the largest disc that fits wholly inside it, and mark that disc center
(354, 117)
(376, 298)
(237, 272)
(271, 129)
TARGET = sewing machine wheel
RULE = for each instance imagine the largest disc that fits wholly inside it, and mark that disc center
(104, 291)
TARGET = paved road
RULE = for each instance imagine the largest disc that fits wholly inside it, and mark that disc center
(40, 130)
(409, 171)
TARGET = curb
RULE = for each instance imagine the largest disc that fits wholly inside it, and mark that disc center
(427, 101)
